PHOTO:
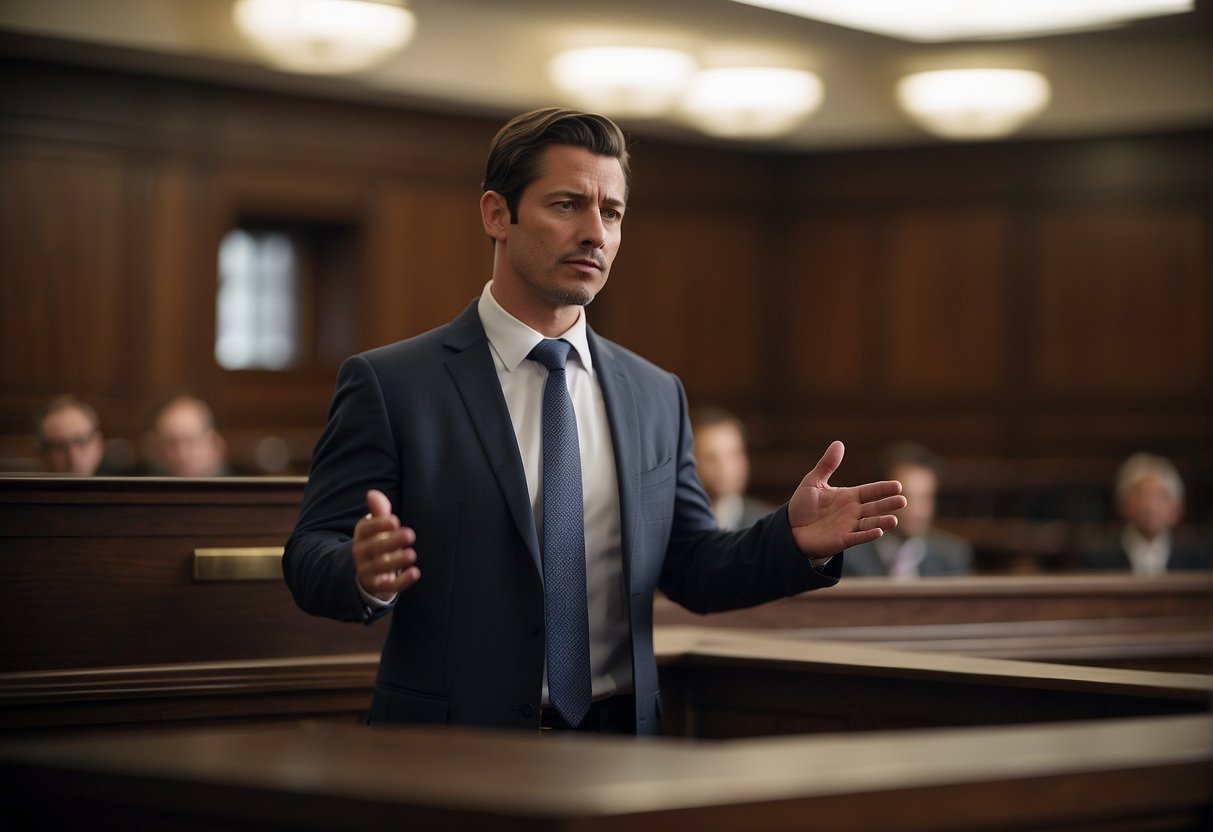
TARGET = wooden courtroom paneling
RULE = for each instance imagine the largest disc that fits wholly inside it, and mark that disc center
(884, 601)
(868, 295)
(945, 292)
(105, 623)
(99, 572)
(994, 280)
(1138, 277)
(1102, 620)
(63, 261)
(1085, 777)
(652, 293)
(832, 291)
(721, 684)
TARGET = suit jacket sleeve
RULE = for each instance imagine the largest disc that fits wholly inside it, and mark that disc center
(709, 570)
(355, 453)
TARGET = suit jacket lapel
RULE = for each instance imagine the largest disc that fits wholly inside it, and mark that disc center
(471, 368)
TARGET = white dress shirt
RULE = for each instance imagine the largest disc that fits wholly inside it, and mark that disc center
(1147, 557)
(522, 383)
(901, 558)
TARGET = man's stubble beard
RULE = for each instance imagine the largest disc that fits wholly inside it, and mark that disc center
(572, 297)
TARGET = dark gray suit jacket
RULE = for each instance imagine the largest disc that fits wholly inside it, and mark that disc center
(425, 421)
(946, 555)
(1115, 558)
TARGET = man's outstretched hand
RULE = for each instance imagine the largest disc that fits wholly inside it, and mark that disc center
(825, 520)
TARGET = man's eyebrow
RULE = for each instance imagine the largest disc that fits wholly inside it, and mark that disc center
(582, 197)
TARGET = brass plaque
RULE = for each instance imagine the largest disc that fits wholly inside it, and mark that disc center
(246, 563)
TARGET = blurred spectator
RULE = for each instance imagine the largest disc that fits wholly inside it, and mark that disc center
(185, 442)
(915, 548)
(723, 462)
(69, 438)
(1150, 501)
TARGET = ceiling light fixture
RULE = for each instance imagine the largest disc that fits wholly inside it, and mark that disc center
(640, 81)
(325, 36)
(938, 20)
(973, 103)
(751, 102)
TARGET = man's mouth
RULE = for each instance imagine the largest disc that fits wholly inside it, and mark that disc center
(586, 263)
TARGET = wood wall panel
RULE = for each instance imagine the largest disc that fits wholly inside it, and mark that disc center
(431, 258)
(1137, 279)
(971, 296)
(65, 264)
(944, 287)
(833, 345)
(172, 283)
(687, 291)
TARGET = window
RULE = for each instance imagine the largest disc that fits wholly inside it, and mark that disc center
(258, 306)
(287, 295)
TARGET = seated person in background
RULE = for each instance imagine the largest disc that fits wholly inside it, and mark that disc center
(69, 438)
(915, 548)
(723, 463)
(184, 441)
(1150, 499)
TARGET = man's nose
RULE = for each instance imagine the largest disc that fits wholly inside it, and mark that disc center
(593, 229)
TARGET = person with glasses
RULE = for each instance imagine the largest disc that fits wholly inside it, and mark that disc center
(69, 439)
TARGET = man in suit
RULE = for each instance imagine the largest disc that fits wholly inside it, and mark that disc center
(1150, 500)
(723, 463)
(425, 498)
(916, 548)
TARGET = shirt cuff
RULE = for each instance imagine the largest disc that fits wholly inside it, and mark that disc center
(374, 603)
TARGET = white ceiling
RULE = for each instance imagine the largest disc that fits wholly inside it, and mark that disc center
(490, 57)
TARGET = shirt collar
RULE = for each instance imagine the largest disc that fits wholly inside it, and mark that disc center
(1136, 545)
(888, 545)
(513, 340)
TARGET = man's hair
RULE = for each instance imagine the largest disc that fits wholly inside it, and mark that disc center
(63, 402)
(710, 415)
(1139, 465)
(909, 453)
(516, 154)
(183, 397)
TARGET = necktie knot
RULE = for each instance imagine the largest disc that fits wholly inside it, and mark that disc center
(551, 353)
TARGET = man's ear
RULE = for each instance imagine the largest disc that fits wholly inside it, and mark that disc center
(495, 215)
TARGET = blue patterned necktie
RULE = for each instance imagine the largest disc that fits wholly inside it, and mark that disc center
(565, 606)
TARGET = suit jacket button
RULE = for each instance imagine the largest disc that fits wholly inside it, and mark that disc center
(528, 710)
(536, 629)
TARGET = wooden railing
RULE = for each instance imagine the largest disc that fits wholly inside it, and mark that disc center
(155, 602)
(1163, 623)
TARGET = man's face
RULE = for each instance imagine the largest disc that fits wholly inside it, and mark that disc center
(187, 444)
(73, 445)
(1150, 506)
(568, 228)
(720, 457)
(918, 485)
